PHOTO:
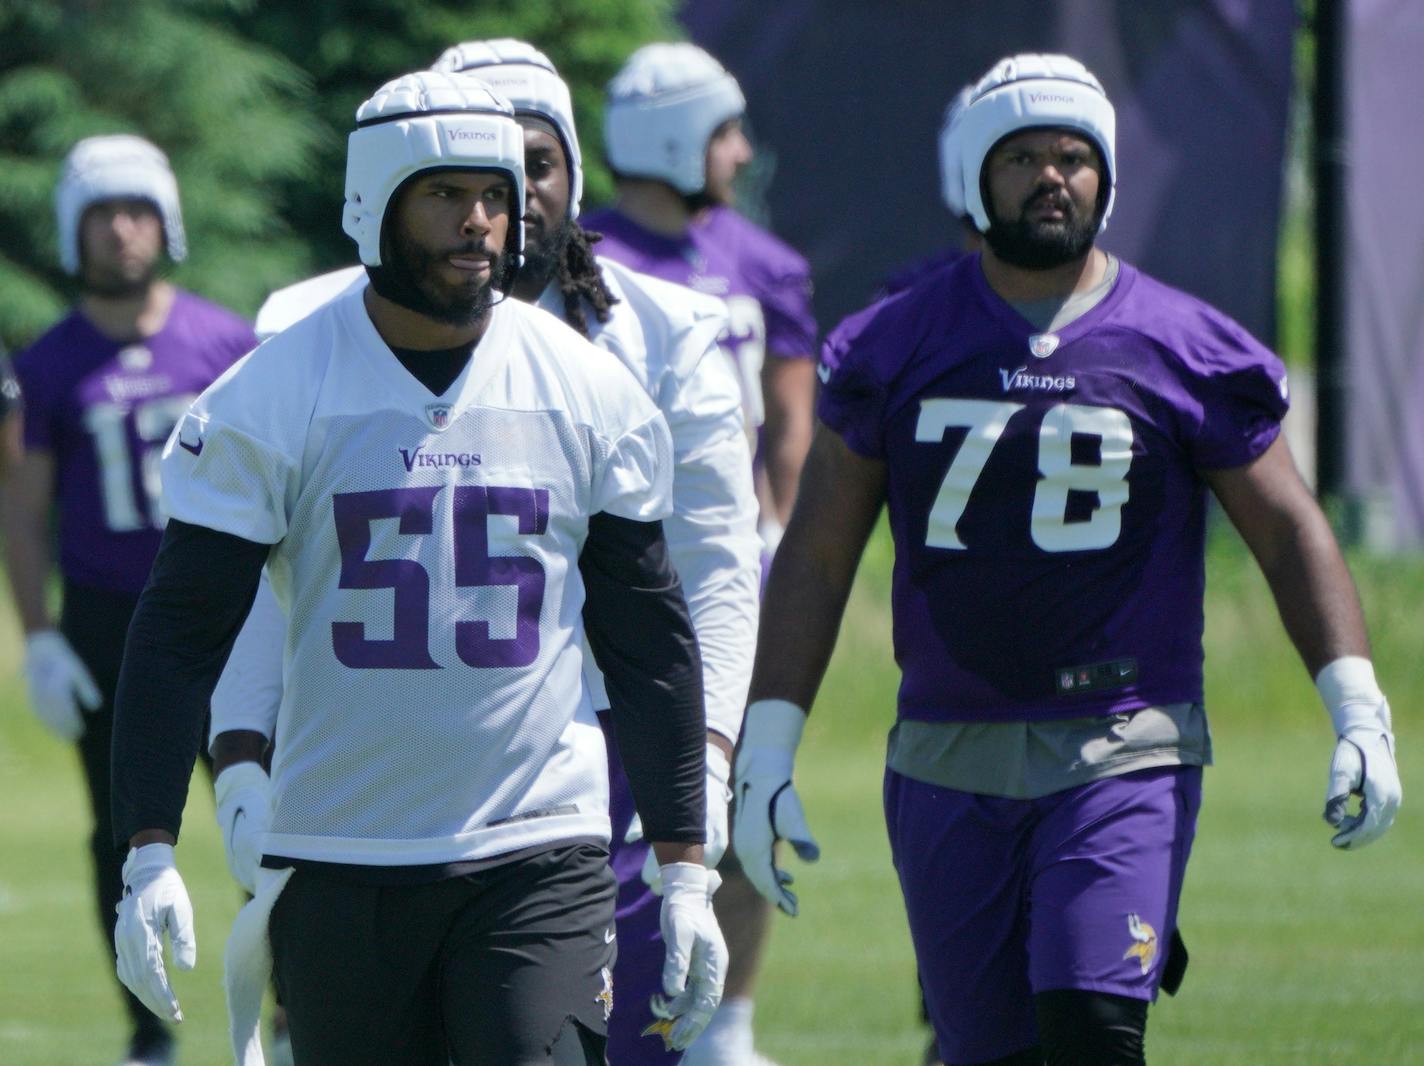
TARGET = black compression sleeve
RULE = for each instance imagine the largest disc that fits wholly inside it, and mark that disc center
(641, 635)
(196, 600)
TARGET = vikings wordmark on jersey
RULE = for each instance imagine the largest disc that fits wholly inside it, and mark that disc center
(428, 575)
(1062, 491)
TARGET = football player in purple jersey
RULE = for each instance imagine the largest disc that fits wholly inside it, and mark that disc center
(1044, 424)
(674, 140)
(101, 391)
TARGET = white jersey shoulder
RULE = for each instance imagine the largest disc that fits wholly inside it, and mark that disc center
(660, 331)
(286, 307)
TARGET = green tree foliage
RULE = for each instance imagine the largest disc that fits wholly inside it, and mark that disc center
(351, 47)
(252, 100)
(236, 119)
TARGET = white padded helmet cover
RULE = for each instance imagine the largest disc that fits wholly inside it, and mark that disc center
(1026, 92)
(112, 167)
(663, 107)
(950, 153)
(420, 122)
(525, 77)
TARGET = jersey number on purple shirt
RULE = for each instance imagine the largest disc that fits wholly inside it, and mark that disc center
(1059, 474)
(409, 646)
(125, 470)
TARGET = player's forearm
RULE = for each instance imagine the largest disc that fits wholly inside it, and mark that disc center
(233, 746)
(786, 435)
(198, 594)
(1316, 596)
(815, 566)
(27, 560)
(641, 635)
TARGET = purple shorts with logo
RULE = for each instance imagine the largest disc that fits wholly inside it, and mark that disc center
(638, 973)
(1076, 890)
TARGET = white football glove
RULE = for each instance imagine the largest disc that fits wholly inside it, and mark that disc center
(60, 684)
(718, 796)
(768, 808)
(1363, 764)
(695, 963)
(155, 902)
(244, 798)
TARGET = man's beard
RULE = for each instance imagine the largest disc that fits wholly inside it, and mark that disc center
(407, 276)
(115, 285)
(541, 264)
(1042, 245)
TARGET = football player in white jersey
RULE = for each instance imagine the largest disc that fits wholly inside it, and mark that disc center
(453, 492)
(666, 335)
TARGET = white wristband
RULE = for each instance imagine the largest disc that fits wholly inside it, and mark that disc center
(773, 724)
(1344, 686)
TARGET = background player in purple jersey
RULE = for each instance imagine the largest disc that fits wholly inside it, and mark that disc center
(1044, 423)
(675, 143)
(101, 391)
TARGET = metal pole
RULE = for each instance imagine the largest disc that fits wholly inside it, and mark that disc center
(1330, 221)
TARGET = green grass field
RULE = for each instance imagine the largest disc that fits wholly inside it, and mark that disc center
(1300, 954)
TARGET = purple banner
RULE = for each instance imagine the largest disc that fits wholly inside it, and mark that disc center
(1384, 269)
(845, 102)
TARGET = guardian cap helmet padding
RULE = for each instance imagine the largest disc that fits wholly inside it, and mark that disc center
(525, 77)
(663, 107)
(113, 167)
(1028, 92)
(426, 121)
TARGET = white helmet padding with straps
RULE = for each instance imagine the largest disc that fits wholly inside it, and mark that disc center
(426, 121)
(118, 166)
(663, 107)
(525, 77)
(1029, 92)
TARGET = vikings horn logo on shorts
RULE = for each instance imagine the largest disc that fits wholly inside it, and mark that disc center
(605, 996)
(1144, 943)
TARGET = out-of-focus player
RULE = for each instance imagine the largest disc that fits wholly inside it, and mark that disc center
(101, 391)
(452, 491)
(674, 140)
(666, 335)
(1044, 424)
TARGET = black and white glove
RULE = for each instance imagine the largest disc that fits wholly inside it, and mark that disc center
(1363, 764)
(768, 808)
(244, 808)
(695, 959)
(155, 903)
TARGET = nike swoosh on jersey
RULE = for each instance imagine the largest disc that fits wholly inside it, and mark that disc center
(196, 449)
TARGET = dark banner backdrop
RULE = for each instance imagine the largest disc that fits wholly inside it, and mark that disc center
(1384, 268)
(845, 101)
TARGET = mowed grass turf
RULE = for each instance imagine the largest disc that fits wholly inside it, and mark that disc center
(1300, 954)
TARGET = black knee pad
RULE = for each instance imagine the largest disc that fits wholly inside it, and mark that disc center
(1091, 1028)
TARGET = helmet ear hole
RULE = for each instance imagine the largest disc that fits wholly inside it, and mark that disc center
(663, 108)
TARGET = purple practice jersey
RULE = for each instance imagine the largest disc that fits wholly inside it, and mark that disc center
(1044, 489)
(765, 283)
(103, 409)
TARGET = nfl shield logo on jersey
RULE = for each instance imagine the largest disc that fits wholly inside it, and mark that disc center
(438, 415)
(1042, 345)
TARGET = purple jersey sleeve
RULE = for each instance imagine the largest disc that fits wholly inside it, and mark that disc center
(1235, 389)
(777, 275)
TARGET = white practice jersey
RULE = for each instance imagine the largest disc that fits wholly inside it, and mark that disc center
(433, 705)
(665, 335)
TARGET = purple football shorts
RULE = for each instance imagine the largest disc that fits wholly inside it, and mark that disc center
(1006, 897)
